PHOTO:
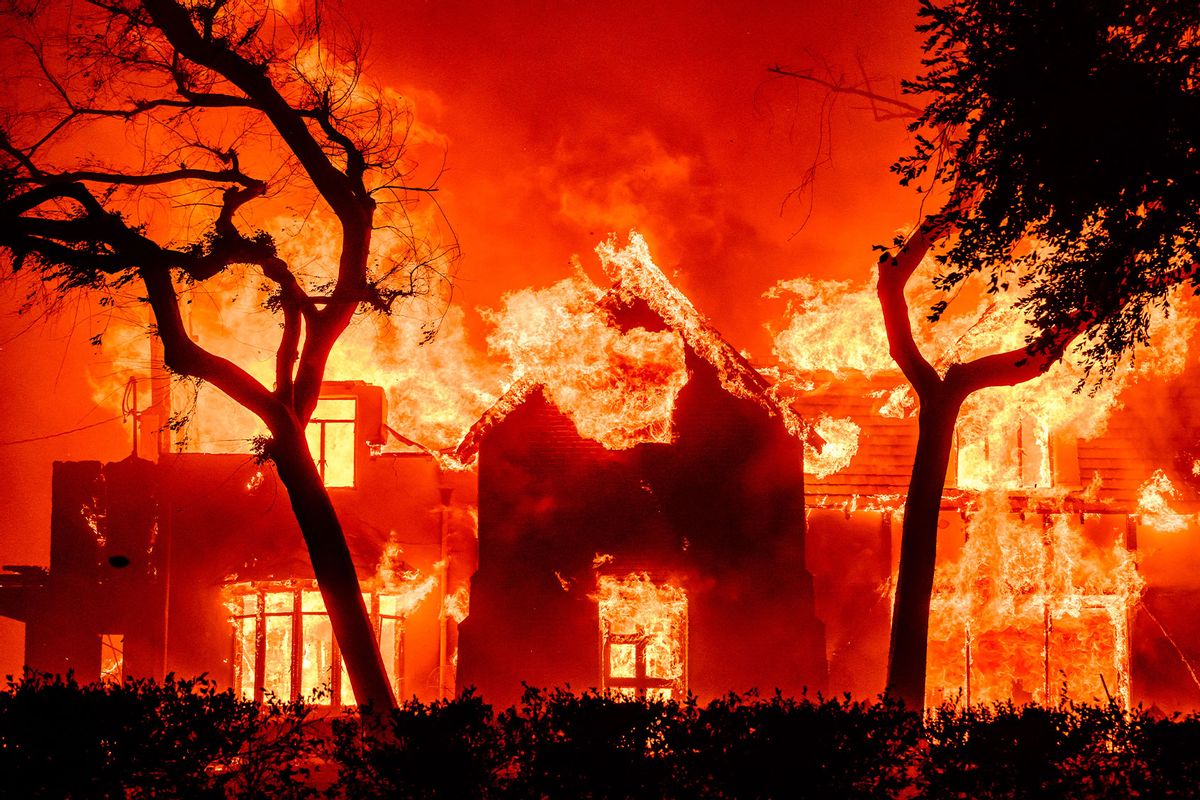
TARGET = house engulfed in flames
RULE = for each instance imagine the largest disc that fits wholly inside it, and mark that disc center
(647, 516)
(644, 533)
(673, 543)
(1063, 559)
(192, 563)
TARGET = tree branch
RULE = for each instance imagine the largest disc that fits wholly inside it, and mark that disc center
(903, 110)
(894, 274)
(185, 357)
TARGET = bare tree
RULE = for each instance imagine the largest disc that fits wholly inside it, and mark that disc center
(217, 114)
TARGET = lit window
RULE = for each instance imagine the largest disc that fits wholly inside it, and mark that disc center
(112, 657)
(1028, 608)
(1009, 458)
(330, 436)
(643, 636)
(283, 642)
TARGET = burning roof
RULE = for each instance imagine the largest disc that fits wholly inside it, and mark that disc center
(639, 283)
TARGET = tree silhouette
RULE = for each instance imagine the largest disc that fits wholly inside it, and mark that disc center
(1063, 137)
(214, 115)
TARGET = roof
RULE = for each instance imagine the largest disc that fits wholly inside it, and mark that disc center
(638, 280)
(1155, 429)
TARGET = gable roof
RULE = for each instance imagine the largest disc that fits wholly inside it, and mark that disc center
(638, 280)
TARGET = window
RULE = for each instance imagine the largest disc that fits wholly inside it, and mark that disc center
(112, 657)
(643, 637)
(283, 642)
(1031, 605)
(1012, 458)
(331, 440)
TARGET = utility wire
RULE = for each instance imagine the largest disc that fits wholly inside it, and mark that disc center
(61, 433)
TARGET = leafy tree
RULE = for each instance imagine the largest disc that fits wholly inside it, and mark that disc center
(1062, 137)
(213, 115)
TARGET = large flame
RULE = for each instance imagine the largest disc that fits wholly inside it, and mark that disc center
(1032, 607)
(1154, 504)
(618, 387)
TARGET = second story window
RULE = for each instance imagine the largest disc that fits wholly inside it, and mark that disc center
(1016, 458)
(331, 440)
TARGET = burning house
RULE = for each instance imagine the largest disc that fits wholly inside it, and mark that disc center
(1061, 553)
(643, 512)
(641, 516)
(194, 564)
(675, 551)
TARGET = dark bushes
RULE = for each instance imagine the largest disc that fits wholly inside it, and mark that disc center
(180, 738)
(184, 739)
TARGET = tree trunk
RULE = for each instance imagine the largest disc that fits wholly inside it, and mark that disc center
(334, 569)
(907, 654)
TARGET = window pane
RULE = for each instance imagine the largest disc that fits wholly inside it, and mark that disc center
(348, 697)
(622, 661)
(278, 655)
(312, 602)
(335, 409)
(279, 602)
(339, 454)
(112, 657)
(391, 637)
(316, 667)
(245, 654)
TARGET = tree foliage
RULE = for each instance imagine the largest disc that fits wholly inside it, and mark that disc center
(1069, 131)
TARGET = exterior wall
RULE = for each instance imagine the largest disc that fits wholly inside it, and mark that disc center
(193, 523)
(719, 512)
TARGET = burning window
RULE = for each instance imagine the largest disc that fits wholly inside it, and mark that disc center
(331, 440)
(283, 641)
(1011, 457)
(643, 637)
(1032, 608)
(112, 657)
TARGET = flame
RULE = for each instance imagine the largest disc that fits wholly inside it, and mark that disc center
(832, 326)
(1153, 505)
(900, 403)
(641, 617)
(457, 604)
(1029, 608)
(1005, 434)
(404, 584)
(637, 277)
(96, 520)
(618, 387)
(1026, 609)
(841, 443)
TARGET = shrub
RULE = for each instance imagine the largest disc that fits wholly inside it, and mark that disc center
(446, 749)
(185, 739)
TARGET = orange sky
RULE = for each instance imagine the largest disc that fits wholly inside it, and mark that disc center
(564, 122)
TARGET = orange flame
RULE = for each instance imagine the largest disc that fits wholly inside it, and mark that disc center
(618, 387)
(1029, 608)
(1154, 507)
(643, 626)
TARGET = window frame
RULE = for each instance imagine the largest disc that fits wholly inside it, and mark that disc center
(258, 662)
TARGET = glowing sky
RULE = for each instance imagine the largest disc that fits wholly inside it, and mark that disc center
(562, 122)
